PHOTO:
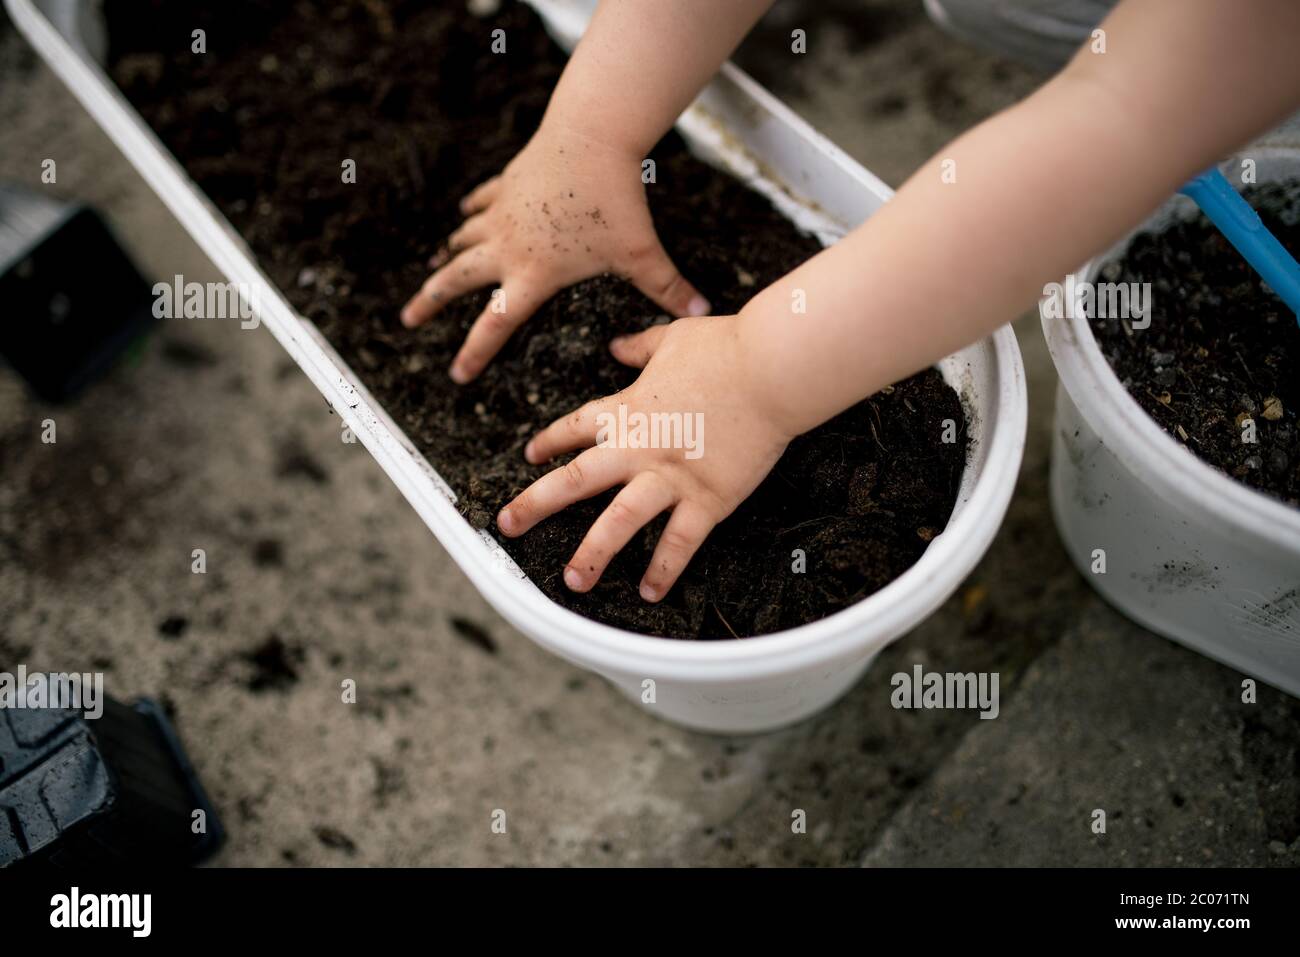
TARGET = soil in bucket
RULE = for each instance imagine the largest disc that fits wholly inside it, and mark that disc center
(1219, 365)
(411, 91)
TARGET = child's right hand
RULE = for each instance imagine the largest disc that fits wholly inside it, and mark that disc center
(567, 208)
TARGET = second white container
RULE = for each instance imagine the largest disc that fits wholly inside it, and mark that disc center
(1189, 552)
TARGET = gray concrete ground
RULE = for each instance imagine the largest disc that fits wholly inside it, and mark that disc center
(318, 570)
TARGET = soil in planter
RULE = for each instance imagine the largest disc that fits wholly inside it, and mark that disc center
(1220, 349)
(411, 91)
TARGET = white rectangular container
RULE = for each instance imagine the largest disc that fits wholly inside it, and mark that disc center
(732, 686)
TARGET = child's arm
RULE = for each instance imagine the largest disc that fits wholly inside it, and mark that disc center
(1038, 189)
(641, 63)
(572, 205)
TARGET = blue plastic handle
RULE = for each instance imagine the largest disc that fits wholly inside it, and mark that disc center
(1243, 228)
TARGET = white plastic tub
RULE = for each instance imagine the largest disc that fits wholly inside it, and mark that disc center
(1190, 553)
(731, 686)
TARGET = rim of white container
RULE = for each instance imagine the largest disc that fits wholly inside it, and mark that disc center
(852, 632)
(1176, 473)
(838, 640)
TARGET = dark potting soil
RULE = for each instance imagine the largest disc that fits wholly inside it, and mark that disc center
(1220, 349)
(411, 91)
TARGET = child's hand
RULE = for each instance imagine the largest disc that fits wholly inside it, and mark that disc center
(567, 208)
(699, 369)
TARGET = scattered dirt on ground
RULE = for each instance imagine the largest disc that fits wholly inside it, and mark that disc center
(274, 665)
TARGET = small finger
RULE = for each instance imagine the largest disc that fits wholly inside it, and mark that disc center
(471, 270)
(589, 474)
(635, 350)
(509, 308)
(471, 232)
(632, 508)
(481, 197)
(576, 430)
(658, 279)
(686, 530)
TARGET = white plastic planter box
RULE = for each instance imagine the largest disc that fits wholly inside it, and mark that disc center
(1190, 553)
(732, 686)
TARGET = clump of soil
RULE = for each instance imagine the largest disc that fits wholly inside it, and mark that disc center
(1221, 348)
(412, 92)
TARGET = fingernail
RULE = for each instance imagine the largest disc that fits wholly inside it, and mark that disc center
(649, 592)
(572, 579)
(699, 306)
(506, 521)
(458, 374)
(618, 342)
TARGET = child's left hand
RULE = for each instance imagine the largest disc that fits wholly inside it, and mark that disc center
(698, 368)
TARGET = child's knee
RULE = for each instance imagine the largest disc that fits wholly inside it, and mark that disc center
(1043, 33)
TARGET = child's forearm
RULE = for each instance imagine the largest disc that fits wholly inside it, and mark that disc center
(642, 62)
(1037, 190)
